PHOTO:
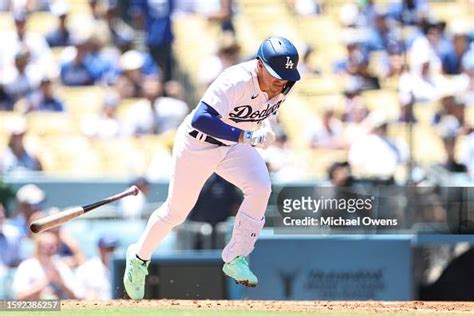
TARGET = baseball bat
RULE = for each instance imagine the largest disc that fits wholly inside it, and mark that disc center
(57, 219)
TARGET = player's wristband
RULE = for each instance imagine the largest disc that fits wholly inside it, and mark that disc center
(247, 137)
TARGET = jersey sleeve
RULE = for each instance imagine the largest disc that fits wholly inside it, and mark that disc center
(222, 94)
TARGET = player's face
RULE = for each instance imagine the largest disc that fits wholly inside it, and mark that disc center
(270, 84)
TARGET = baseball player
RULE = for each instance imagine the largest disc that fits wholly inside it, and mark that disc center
(235, 115)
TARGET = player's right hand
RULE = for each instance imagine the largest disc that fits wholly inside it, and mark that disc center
(262, 137)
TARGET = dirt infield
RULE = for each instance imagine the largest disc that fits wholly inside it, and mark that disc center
(428, 308)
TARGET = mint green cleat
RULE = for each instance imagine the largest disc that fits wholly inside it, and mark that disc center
(238, 269)
(134, 276)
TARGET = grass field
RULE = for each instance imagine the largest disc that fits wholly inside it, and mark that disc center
(253, 308)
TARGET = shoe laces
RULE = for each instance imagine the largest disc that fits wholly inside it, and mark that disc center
(243, 260)
(140, 266)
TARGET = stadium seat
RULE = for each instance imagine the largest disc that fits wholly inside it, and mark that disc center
(6, 22)
(315, 85)
(69, 154)
(424, 112)
(41, 22)
(47, 123)
(80, 101)
(321, 159)
(427, 145)
(7, 118)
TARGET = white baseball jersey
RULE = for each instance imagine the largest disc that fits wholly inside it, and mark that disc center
(237, 97)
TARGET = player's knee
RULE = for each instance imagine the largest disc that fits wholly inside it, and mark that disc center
(174, 218)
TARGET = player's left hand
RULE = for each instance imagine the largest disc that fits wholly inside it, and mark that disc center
(261, 138)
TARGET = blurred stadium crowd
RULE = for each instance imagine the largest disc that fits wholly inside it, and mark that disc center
(92, 88)
(102, 77)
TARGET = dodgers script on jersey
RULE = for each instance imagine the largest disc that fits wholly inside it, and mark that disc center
(237, 97)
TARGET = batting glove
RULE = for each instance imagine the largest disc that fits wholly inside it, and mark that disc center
(262, 138)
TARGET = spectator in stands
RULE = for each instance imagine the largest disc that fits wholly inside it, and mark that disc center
(24, 79)
(37, 5)
(452, 111)
(353, 101)
(355, 128)
(451, 164)
(282, 163)
(222, 15)
(159, 34)
(16, 158)
(10, 239)
(305, 66)
(340, 174)
(44, 275)
(80, 68)
(60, 36)
(30, 199)
(158, 114)
(6, 103)
(468, 77)
(174, 89)
(135, 67)
(351, 16)
(107, 124)
(97, 9)
(305, 7)
(423, 82)
(467, 153)
(69, 249)
(384, 37)
(40, 53)
(94, 277)
(328, 132)
(44, 99)
(376, 155)
(122, 34)
(5, 5)
(169, 111)
(428, 46)
(409, 12)
(452, 58)
(228, 54)
(104, 58)
(356, 65)
(133, 208)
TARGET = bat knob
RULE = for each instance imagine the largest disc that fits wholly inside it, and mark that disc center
(135, 190)
(35, 227)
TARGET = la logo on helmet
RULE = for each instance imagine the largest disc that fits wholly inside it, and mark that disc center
(289, 63)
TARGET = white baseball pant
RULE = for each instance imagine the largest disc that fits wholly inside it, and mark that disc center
(194, 162)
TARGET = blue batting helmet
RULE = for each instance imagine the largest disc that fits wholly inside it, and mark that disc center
(280, 58)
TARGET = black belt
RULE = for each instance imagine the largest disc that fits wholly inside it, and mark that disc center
(208, 139)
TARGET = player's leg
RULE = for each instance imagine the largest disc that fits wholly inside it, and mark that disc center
(245, 168)
(193, 163)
